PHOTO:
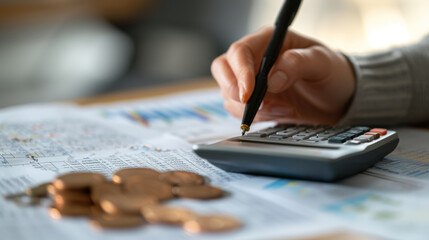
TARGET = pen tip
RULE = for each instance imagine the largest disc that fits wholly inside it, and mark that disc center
(244, 129)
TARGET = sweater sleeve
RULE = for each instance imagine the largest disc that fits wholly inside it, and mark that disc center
(392, 87)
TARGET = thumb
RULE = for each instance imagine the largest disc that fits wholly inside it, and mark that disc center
(310, 64)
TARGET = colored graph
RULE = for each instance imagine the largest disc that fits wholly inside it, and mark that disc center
(375, 206)
(290, 185)
(209, 111)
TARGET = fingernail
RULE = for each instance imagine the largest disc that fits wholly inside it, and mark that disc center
(242, 95)
(278, 81)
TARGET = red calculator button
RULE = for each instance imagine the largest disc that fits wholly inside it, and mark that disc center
(375, 134)
(381, 131)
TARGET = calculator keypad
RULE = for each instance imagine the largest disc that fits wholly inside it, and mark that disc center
(301, 134)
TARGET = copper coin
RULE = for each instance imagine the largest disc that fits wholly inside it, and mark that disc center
(211, 223)
(181, 178)
(78, 180)
(125, 203)
(148, 187)
(101, 189)
(122, 175)
(71, 197)
(198, 192)
(52, 190)
(166, 215)
(116, 221)
(70, 210)
(39, 191)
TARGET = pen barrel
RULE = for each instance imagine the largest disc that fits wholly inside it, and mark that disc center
(286, 16)
(287, 13)
(255, 100)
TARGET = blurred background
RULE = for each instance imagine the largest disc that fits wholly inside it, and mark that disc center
(62, 49)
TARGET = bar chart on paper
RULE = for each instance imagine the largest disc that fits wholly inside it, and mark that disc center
(409, 159)
(192, 116)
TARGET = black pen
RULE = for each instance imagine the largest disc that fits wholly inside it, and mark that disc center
(284, 19)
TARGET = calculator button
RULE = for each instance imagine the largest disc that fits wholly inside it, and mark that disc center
(381, 131)
(317, 138)
(300, 136)
(353, 142)
(314, 130)
(275, 137)
(346, 135)
(337, 139)
(365, 138)
(286, 133)
(376, 135)
(362, 129)
(325, 135)
(256, 134)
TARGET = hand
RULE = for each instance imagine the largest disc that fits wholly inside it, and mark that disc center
(309, 83)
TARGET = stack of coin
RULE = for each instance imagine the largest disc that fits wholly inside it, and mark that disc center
(136, 196)
(71, 194)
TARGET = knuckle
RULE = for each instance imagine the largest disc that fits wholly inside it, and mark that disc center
(319, 52)
(217, 62)
(294, 58)
(235, 48)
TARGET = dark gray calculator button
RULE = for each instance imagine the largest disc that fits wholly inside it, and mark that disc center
(337, 139)
(363, 129)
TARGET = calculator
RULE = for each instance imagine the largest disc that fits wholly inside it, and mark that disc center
(321, 153)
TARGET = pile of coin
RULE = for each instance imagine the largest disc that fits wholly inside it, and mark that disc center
(135, 197)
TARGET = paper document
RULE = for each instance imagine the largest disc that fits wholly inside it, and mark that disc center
(194, 116)
(411, 157)
(39, 141)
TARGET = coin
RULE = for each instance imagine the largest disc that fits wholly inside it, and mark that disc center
(122, 175)
(71, 197)
(101, 189)
(51, 189)
(211, 223)
(125, 203)
(116, 221)
(78, 180)
(198, 192)
(70, 210)
(148, 187)
(39, 191)
(181, 178)
(167, 215)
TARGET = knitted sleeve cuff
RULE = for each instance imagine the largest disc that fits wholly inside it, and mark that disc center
(383, 89)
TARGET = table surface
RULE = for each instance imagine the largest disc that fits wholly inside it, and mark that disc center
(147, 92)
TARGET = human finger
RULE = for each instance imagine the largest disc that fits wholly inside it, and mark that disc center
(311, 64)
(244, 56)
(224, 76)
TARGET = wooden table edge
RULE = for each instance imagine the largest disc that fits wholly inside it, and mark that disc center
(148, 92)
